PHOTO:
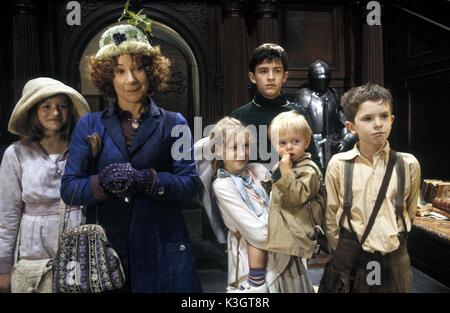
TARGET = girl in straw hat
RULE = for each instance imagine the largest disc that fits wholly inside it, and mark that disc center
(135, 184)
(31, 171)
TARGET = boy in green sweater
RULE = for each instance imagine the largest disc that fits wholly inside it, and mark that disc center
(268, 71)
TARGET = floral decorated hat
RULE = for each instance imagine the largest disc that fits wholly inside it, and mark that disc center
(127, 38)
(123, 39)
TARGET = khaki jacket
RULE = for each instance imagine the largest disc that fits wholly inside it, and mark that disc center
(290, 226)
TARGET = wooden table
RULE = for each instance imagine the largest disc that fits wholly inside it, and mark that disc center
(429, 248)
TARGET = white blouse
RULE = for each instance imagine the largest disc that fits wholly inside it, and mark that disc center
(30, 200)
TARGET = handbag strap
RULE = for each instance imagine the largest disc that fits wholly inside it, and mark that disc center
(62, 215)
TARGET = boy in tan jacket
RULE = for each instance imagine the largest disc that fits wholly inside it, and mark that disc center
(296, 202)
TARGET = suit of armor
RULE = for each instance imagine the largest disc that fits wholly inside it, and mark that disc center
(327, 119)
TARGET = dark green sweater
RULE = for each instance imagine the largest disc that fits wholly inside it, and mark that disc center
(261, 111)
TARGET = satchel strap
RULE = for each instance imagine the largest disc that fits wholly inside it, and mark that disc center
(381, 194)
(400, 169)
(315, 224)
(348, 181)
(316, 227)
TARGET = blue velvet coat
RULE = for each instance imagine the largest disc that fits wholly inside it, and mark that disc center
(149, 232)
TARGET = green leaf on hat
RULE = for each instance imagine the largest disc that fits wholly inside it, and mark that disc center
(139, 19)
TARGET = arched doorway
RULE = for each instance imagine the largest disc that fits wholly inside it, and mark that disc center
(183, 92)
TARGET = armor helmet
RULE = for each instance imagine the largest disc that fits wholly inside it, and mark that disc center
(319, 76)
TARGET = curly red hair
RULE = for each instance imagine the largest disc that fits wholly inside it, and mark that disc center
(156, 66)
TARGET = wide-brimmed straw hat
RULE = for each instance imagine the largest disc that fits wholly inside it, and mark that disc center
(34, 92)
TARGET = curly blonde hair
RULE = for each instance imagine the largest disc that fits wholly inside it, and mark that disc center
(156, 66)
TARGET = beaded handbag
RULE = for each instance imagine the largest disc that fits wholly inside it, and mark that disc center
(85, 262)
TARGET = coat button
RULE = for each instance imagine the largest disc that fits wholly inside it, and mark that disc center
(160, 191)
(182, 247)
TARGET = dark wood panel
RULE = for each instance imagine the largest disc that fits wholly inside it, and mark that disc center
(430, 254)
(430, 128)
(417, 67)
(310, 35)
(315, 32)
(414, 46)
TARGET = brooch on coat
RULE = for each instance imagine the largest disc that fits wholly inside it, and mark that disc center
(95, 143)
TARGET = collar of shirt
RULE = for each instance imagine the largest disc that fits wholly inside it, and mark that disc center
(383, 153)
(150, 109)
(305, 156)
(36, 146)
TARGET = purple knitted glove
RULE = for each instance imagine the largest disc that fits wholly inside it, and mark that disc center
(122, 180)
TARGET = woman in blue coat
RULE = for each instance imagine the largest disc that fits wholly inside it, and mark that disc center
(122, 168)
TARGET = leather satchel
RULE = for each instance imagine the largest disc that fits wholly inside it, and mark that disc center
(85, 262)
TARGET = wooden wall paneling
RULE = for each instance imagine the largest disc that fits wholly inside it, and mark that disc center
(309, 33)
(418, 74)
(412, 46)
(266, 12)
(394, 41)
(6, 83)
(349, 47)
(430, 129)
(372, 54)
(26, 57)
(356, 30)
(48, 22)
(235, 56)
(215, 107)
